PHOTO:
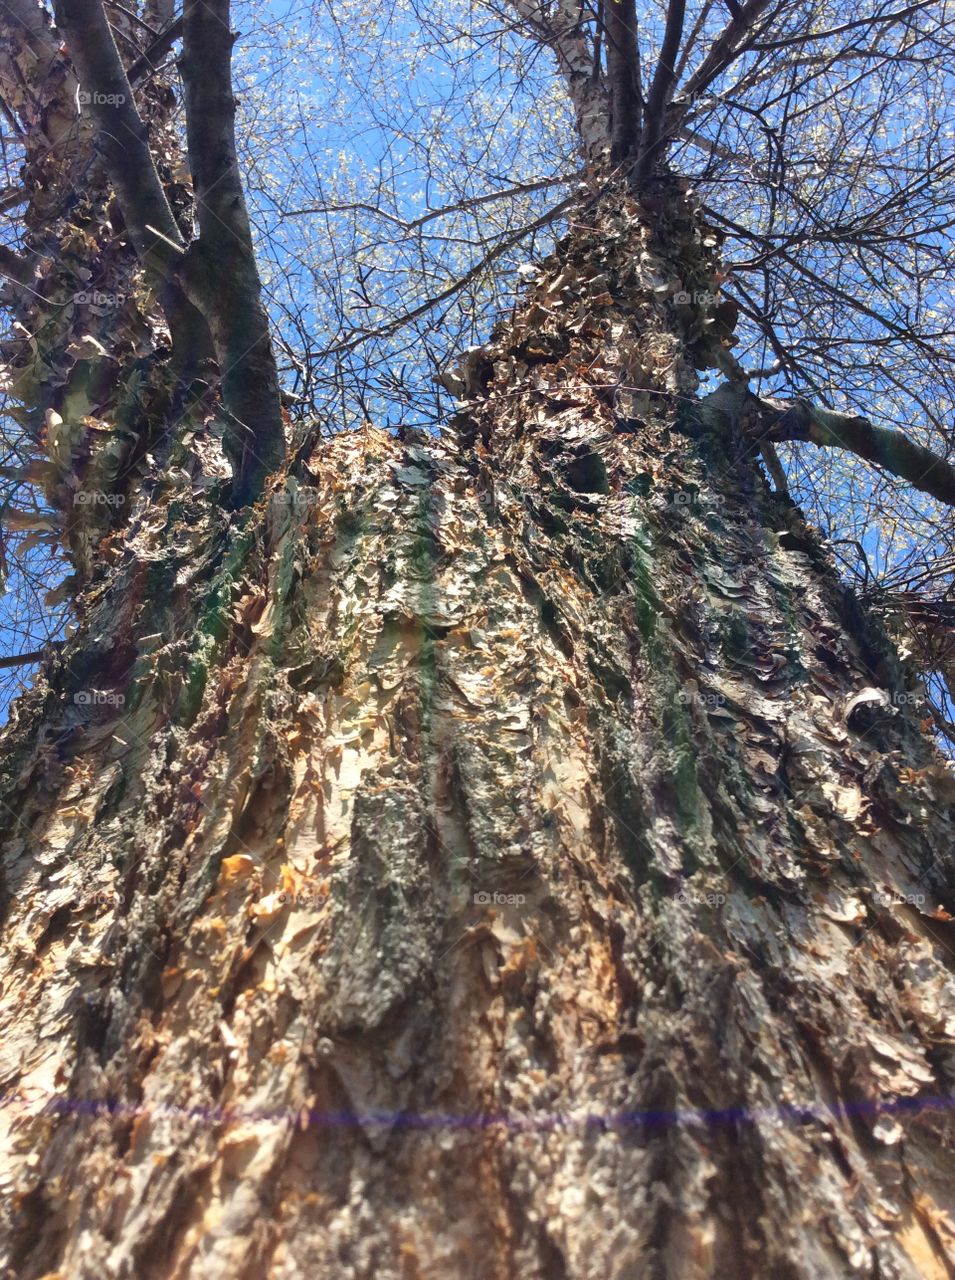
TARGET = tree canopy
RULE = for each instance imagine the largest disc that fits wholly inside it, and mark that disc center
(403, 165)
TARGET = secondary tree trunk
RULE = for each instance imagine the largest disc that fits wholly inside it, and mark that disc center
(508, 855)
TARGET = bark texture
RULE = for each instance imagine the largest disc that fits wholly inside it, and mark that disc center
(515, 855)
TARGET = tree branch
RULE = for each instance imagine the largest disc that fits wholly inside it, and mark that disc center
(21, 659)
(779, 420)
(559, 28)
(826, 33)
(104, 94)
(16, 266)
(620, 23)
(31, 25)
(508, 242)
(160, 12)
(459, 206)
(724, 49)
(221, 276)
(29, 51)
(661, 87)
(12, 197)
(157, 49)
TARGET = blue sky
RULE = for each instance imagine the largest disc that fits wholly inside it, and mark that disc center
(388, 112)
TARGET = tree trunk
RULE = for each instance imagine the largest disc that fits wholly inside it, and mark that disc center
(507, 855)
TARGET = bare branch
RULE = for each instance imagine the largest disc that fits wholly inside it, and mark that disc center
(662, 87)
(724, 49)
(414, 224)
(12, 198)
(457, 285)
(160, 12)
(21, 659)
(31, 24)
(15, 266)
(891, 450)
(867, 23)
(221, 276)
(152, 55)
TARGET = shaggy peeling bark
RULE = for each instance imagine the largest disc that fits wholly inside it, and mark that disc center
(515, 855)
